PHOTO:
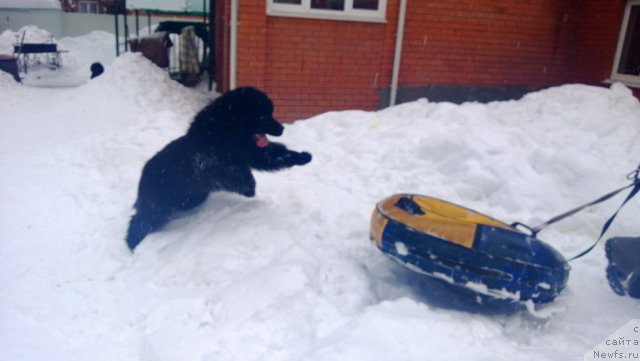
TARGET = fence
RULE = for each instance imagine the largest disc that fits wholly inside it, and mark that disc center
(62, 24)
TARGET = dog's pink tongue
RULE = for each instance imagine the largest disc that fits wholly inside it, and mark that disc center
(261, 140)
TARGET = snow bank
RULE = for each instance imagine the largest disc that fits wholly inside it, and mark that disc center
(7, 83)
(291, 274)
(7, 39)
(27, 34)
(96, 46)
(76, 59)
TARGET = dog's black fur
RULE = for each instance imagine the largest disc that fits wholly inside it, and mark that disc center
(217, 154)
(96, 70)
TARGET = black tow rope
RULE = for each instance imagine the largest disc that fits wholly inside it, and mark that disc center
(634, 177)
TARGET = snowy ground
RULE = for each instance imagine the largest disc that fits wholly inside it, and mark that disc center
(291, 274)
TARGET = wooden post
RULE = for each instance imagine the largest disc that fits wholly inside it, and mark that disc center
(137, 23)
(116, 12)
(126, 27)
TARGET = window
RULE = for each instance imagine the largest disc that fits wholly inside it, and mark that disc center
(89, 7)
(626, 66)
(354, 10)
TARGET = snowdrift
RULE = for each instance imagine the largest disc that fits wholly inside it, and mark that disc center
(291, 274)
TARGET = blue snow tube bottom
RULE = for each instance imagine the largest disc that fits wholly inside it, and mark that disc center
(467, 250)
(623, 270)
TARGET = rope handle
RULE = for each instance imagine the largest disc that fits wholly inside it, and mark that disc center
(633, 176)
(519, 225)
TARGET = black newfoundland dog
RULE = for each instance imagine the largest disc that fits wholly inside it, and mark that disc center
(224, 142)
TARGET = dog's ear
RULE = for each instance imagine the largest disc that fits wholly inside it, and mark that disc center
(243, 104)
(239, 108)
(222, 112)
(255, 101)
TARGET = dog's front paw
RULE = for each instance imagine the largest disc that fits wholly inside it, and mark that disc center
(303, 158)
(250, 190)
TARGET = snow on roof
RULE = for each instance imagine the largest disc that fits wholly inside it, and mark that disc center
(30, 4)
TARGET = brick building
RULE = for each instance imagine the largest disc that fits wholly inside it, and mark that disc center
(313, 56)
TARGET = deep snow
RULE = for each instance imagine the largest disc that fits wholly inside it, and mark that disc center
(80, 53)
(291, 274)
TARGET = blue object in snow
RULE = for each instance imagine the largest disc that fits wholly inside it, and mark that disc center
(623, 270)
(467, 250)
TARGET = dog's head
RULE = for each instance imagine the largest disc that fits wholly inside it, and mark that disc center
(245, 113)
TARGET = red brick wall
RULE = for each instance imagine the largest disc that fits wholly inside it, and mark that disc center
(321, 65)
(252, 48)
(485, 42)
(313, 66)
(221, 45)
(594, 38)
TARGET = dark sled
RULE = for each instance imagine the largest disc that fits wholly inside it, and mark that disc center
(467, 250)
(623, 270)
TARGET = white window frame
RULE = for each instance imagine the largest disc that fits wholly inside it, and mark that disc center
(630, 80)
(88, 7)
(348, 14)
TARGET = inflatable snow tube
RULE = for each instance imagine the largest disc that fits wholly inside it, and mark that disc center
(467, 250)
(623, 270)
